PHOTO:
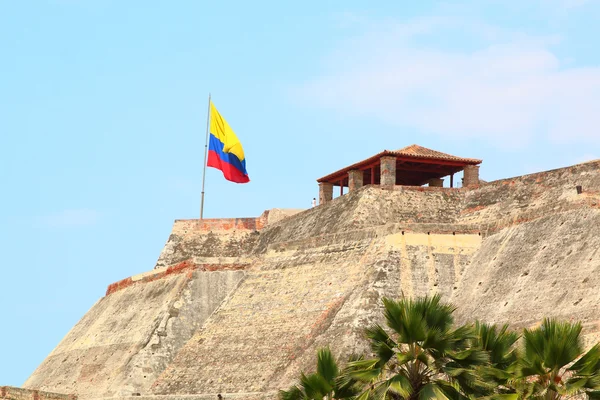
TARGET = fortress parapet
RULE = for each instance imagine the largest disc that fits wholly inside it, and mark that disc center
(410, 166)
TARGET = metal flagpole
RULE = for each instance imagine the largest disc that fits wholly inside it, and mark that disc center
(205, 155)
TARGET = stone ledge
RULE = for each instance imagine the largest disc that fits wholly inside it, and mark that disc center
(219, 224)
(381, 230)
(183, 267)
(13, 393)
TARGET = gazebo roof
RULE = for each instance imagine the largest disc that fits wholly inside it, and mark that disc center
(419, 163)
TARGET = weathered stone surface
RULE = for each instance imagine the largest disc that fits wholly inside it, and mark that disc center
(129, 336)
(215, 243)
(304, 297)
(218, 241)
(546, 267)
(13, 393)
(513, 250)
(355, 180)
(388, 172)
(277, 214)
(471, 175)
(325, 192)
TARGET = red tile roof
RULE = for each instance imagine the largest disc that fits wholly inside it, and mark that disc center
(416, 151)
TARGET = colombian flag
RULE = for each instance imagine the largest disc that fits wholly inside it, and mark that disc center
(225, 151)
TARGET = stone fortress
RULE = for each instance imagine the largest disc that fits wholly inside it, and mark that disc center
(238, 307)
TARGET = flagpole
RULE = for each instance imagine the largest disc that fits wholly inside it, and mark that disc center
(205, 155)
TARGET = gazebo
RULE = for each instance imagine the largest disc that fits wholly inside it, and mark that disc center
(410, 166)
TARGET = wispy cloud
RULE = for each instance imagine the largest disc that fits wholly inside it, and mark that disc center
(71, 218)
(508, 87)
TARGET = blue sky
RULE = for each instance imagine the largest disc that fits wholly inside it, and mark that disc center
(103, 111)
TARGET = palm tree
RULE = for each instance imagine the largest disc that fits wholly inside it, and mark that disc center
(499, 343)
(424, 357)
(546, 366)
(325, 383)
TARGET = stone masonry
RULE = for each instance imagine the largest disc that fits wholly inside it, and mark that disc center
(471, 175)
(325, 193)
(355, 179)
(388, 172)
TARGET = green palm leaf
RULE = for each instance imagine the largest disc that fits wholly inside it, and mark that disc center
(293, 393)
(326, 366)
(589, 363)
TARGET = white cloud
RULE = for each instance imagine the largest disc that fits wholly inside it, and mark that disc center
(71, 218)
(509, 88)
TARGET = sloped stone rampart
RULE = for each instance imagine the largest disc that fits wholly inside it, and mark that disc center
(131, 335)
(546, 267)
(301, 298)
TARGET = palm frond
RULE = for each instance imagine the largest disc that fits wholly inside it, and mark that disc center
(381, 343)
(327, 368)
(449, 391)
(589, 363)
(293, 393)
(314, 386)
(428, 392)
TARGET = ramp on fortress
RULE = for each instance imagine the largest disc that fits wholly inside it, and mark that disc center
(240, 306)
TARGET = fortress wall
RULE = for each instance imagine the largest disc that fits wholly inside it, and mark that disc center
(183, 226)
(273, 317)
(509, 251)
(388, 229)
(13, 393)
(549, 267)
(216, 242)
(125, 341)
(356, 242)
(512, 201)
(413, 263)
(431, 263)
(302, 296)
(366, 207)
(541, 249)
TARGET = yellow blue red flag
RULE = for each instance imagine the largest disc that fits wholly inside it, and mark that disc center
(225, 151)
